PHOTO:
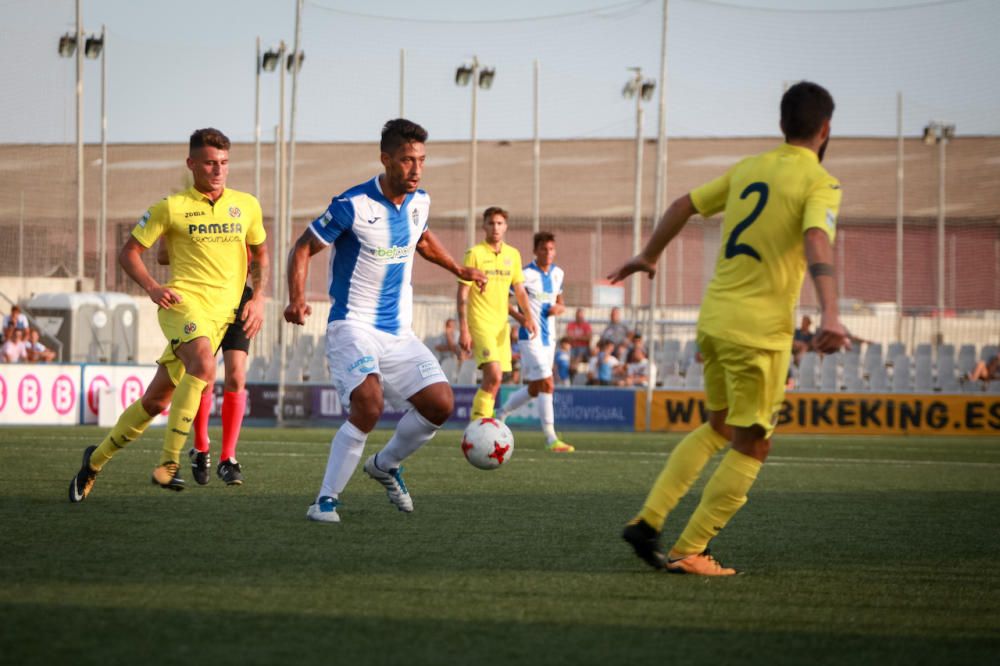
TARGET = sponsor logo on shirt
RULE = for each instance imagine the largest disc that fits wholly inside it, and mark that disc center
(144, 219)
(394, 253)
(364, 364)
(215, 228)
(194, 213)
(831, 219)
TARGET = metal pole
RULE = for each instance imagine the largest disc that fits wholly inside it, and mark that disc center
(79, 148)
(280, 223)
(102, 235)
(659, 195)
(402, 81)
(942, 144)
(637, 203)
(291, 128)
(536, 204)
(20, 240)
(256, 125)
(899, 215)
(470, 224)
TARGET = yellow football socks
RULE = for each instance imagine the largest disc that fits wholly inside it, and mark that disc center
(482, 405)
(724, 494)
(682, 469)
(183, 407)
(131, 424)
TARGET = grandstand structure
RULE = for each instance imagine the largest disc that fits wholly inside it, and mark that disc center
(586, 201)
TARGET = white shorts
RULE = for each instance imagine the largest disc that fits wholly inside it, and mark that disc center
(402, 362)
(536, 359)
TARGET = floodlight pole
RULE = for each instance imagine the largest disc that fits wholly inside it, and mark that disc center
(899, 216)
(79, 148)
(256, 124)
(637, 202)
(402, 81)
(102, 235)
(470, 224)
(536, 203)
(940, 133)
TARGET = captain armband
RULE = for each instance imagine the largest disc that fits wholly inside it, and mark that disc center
(820, 269)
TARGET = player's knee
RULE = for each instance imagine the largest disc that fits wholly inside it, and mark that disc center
(439, 409)
(365, 414)
(236, 381)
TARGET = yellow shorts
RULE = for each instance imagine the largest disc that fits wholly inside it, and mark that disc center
(180, 325)
(492, 347)
(748, 381)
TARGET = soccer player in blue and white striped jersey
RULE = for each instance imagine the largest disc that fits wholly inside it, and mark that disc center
(374, 230)
(543, 281)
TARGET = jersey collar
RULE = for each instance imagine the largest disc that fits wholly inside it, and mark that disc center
(381, 194)
(200, 196)
(799, 150)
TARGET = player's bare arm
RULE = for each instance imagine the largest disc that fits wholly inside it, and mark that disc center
(130, 259)
(515, 313)
(831, 336)
(253, 312)
(558, 307)
(521, 295)
(461, 300)
(673, 220)
(430, 248)
(304, 249)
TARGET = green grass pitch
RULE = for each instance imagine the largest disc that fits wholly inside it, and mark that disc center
(856, 550)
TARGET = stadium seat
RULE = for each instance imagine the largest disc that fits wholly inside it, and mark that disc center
(988, 352)
(873, 356)
(808, 369)
(966, 359)
(878, 380)
(947, 380)
(258, 366)
(923, 381)
(672, 346)
(695, 377)
(852, 372)
(673, 381)
(901, 381)
(829, 365)
(923, 349)
(449, 365)
(579, 379)
(318, 371)
(993, 386)
(895, 349)
(467, 373)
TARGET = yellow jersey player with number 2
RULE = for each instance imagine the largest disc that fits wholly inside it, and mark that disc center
(779, 216)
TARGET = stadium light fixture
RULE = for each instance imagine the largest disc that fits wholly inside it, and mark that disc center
(486, 77)
(648, 86)
(463, 75)
(940, 133)
(642, 90)
(295, 62)
(93, 47)
(269, 61)
(67, 45)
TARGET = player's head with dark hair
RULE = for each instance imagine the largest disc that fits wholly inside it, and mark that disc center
(494, 210)
(399, 131)
(208, 136)
(805, 107)
(543, 237)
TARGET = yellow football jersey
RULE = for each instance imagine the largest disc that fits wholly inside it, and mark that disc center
(487, 311)
(208, 255)
(770, 200)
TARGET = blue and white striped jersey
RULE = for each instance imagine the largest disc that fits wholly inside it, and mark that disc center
(372, 255)
(542, 288)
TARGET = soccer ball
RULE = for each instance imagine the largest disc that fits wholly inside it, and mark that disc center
(487, 443)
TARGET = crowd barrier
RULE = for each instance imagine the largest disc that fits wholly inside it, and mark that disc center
(72, 395)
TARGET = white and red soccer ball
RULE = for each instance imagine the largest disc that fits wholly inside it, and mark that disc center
(487, 443)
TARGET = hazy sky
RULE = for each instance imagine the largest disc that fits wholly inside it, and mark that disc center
(177, 65)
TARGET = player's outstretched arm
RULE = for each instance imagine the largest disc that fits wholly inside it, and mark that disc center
(673, 220)
(253, 312)
(130, 259)
(431, 249)
(831, 336)
(305, 247)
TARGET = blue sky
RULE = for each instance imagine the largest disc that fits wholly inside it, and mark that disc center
(184, 64)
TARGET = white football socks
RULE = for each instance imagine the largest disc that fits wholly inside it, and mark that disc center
(412, 432)
(345, 453)
(515, 400)
(547, 415)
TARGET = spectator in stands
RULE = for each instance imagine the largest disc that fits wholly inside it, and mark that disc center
(604, 366)
(985, 371)
(616, 331)
(14, 349)
(579, 333)
(16, 319)
(447, 343)
(563, 362)
(36, 351)
(803, 339)
(637, 368)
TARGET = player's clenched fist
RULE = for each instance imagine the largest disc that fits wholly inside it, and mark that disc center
(296, 313)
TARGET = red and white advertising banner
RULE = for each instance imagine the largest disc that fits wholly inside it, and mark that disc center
(39, 394)
(124, 384)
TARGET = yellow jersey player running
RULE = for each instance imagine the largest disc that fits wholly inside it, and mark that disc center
(780, 212)
(209, 229)
(482, 314)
